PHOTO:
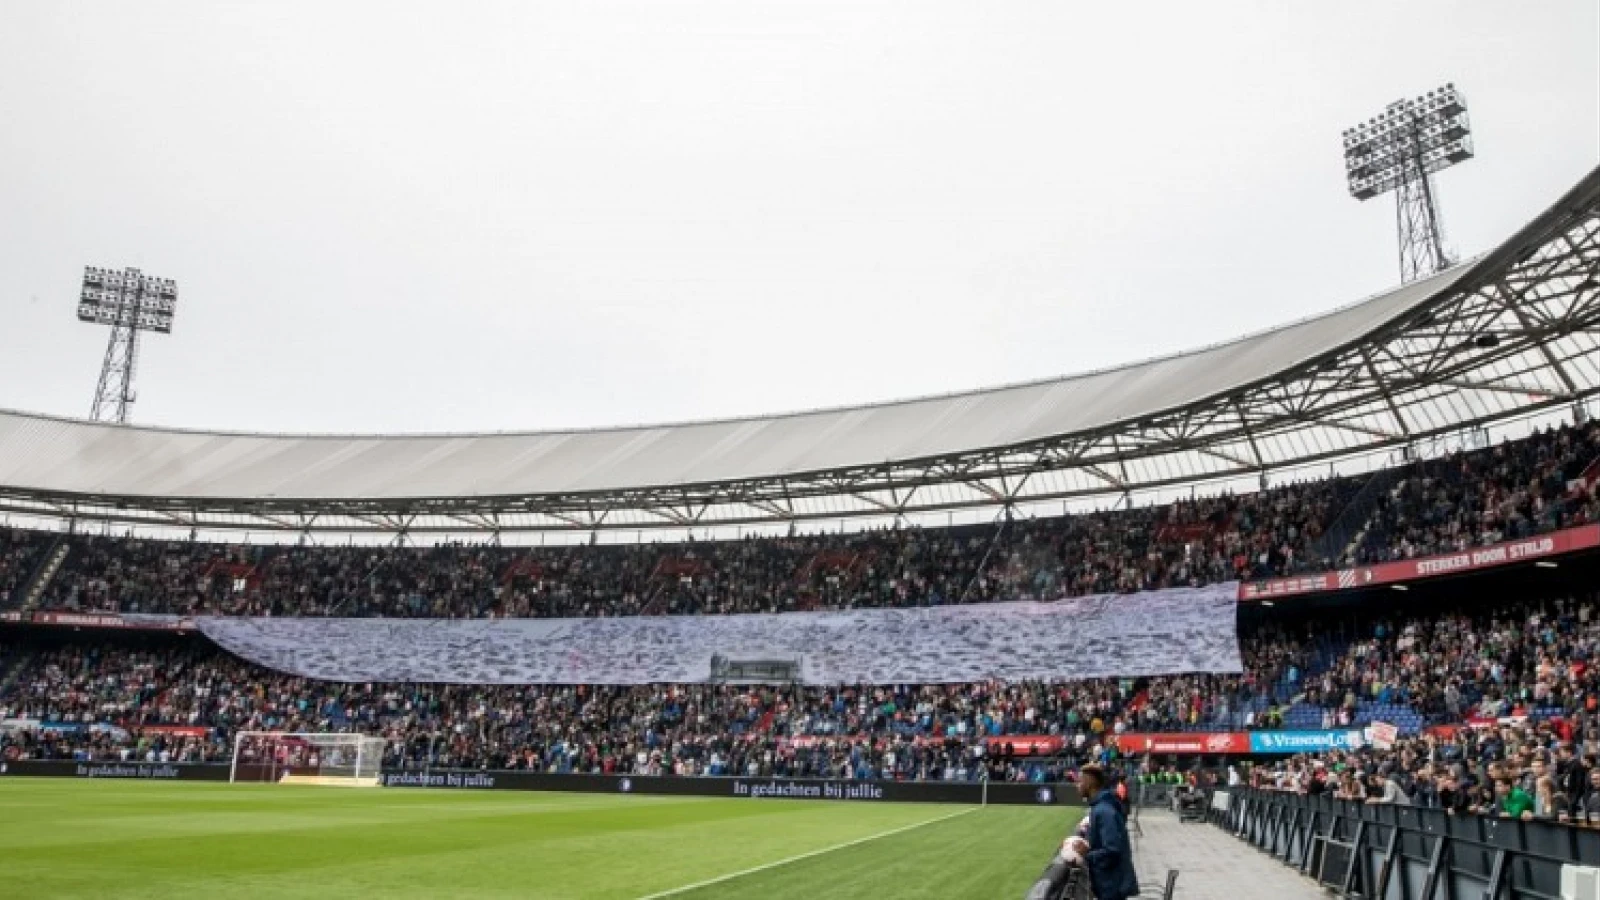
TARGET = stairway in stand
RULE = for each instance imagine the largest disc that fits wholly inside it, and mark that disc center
(33, 589)
(11, 667)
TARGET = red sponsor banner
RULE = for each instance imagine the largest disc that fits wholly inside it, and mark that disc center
(1288, 587)
(79, 620)
(1027, 744)
(177, 730)
(106, 620)
(1585, 537)
(1216, 742)
(802, 741)
(1482, 722)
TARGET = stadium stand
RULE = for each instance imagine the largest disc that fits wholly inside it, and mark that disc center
(1520, 488)
(20, 553)
(1489, 680)
(180, 699)
(1434, 673)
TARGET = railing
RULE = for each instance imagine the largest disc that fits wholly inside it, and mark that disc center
(1389, 852)
(1154, 795)
(967, 793)
(1066, 881)
(1060, 881)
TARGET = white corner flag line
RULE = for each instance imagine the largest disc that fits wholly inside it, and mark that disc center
(794, 859)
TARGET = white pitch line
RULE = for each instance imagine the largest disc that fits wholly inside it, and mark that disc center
(794, 859)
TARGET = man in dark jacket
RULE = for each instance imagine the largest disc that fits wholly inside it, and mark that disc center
(1110, 856)
(1572, 777)
(1588, 809)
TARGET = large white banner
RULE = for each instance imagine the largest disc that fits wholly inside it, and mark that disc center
(1125, 635)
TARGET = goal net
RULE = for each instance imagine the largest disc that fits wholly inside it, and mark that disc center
(285, 757)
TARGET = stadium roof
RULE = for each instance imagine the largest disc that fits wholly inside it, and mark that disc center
(1503, 335)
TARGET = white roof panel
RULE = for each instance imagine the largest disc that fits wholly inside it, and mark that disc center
(62, 456)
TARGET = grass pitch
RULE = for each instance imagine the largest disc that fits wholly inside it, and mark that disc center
(72, 838)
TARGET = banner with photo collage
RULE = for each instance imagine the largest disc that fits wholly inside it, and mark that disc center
(1126, 636)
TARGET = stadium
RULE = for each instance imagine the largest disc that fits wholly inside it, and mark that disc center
(1311, 610)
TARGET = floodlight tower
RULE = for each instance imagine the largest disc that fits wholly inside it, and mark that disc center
(129, 302)
(1399, 150)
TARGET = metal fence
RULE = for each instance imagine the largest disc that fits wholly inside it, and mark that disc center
(1156, 795)
(1060, 881)
(1387, 852)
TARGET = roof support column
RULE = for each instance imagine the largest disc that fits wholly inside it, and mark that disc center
(1388, 396)
(1505, 297)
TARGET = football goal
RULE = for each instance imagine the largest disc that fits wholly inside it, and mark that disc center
(286, 757)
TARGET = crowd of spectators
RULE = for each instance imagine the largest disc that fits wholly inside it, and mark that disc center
(1487, 663)
(1514, 695)
(1528, 771)
(20, 553)
(1470, 499)
(1189, 543)
(185, 704)
(1511, 491)
(1510, 695)
(177, 698)
(181, 700)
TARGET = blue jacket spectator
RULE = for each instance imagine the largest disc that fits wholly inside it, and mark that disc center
(1110, 856)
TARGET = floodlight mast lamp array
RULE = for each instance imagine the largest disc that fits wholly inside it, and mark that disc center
(1399, 150)
(129, 302)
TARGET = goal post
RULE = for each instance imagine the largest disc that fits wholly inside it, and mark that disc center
(298, 757)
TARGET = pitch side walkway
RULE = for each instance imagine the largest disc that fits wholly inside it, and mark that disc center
(1214, 864)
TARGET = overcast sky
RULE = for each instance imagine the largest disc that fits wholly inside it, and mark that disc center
(400, 216)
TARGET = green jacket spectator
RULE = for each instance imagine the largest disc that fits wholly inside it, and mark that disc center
(1515, 803)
